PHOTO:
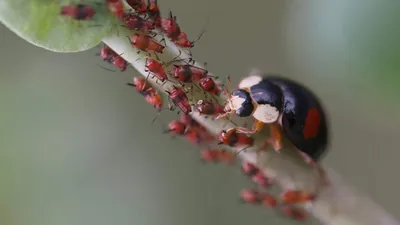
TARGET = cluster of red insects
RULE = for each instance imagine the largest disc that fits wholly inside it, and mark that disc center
(285, 203)
(144, 19)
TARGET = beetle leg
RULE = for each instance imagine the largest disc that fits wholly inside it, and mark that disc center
(275, 139)
(222, 115)
(257, 126)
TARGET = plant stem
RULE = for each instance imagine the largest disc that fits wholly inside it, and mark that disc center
(337, 204)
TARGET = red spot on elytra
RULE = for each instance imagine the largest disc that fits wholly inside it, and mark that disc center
(311, 125)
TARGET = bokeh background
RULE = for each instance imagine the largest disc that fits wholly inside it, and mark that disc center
(78, 147)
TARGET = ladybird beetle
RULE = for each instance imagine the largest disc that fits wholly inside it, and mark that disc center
(286, 106)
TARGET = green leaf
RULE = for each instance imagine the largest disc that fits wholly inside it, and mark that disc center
(39, 22)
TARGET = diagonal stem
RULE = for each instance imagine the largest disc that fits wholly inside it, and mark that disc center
(338, 204)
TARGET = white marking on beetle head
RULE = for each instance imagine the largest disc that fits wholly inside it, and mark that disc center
(200, 102)
(235, 103)
(266, 113)
(249, 81)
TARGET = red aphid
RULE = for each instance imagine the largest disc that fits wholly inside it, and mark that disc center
(119, 62)
(107, 54)
(183, 41)
(193, 136)
(188, 73)
(157, 21)
(233, 138)
(180, 99)
(208, 108)
(208, 85)
(210, 155)
(197, 134)
(201, 130)
(261, 180)
(226, 156)
(249, 169)
(149, 92)
(140, 6)
(116, 7)
(156, 68)
(170, 27)
(134, 22)
(188, 120)
(176, 127)
(217, 155)
(268, 200)
(294, 213)
(299, 214)
(206, 135)
(154, 12)
(296, 196)
(250, 196)
(135, 3)
(146, 43)
(142, 85)
(154, 99)
(153, 8)
(78, 11)
(150, 7)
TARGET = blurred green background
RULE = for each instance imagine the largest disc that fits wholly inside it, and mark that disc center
(77, 145)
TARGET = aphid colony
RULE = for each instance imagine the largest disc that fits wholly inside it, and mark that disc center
(288, 203)
(287, 108)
